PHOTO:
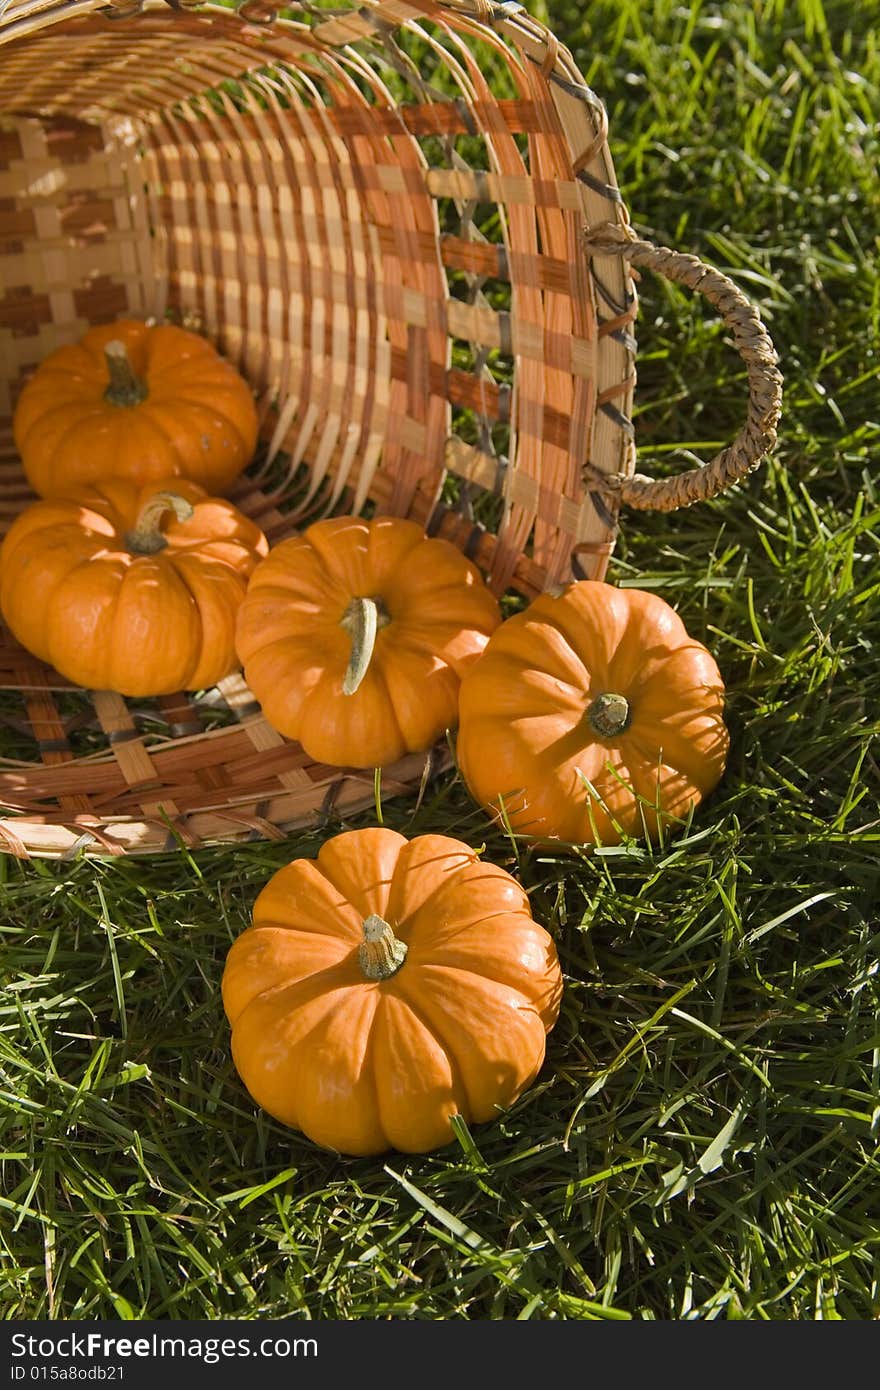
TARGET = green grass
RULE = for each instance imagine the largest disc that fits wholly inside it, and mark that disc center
(703, 1140)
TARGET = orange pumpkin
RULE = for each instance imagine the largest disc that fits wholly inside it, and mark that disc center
(134, 402)
(592, 716)
(129, 589)
(386, 986)
(354, 637)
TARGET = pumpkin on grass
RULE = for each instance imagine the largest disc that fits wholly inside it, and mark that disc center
(592, 716)
(386, 986)
(354, 637)
(129, 589)
(135, 402)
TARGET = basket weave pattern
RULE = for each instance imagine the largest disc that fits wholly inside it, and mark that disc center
(393, 253)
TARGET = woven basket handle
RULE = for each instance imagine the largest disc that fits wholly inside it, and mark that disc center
(752, 342)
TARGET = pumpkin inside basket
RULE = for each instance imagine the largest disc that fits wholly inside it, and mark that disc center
(400, 222)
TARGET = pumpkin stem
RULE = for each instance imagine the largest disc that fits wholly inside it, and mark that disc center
(125, 388)
(609, 714)
(146, 538)
(362, 620)
(380, 954)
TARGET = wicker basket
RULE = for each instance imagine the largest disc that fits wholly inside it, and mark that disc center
(426, 277)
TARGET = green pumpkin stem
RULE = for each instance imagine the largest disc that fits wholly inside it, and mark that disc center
(125, 388)
(362, 620)
(380, 954)
(609, 715)
(146, 536)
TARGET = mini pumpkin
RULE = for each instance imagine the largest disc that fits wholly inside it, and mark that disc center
(135, 402)
(129, 589)
(591, 716)
(386, 986)
(354, 637)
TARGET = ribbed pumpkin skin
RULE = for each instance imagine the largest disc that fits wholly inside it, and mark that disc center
(72, 592)
(363, 1066)
(198, 420)
(525, 740)
(295, 651)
